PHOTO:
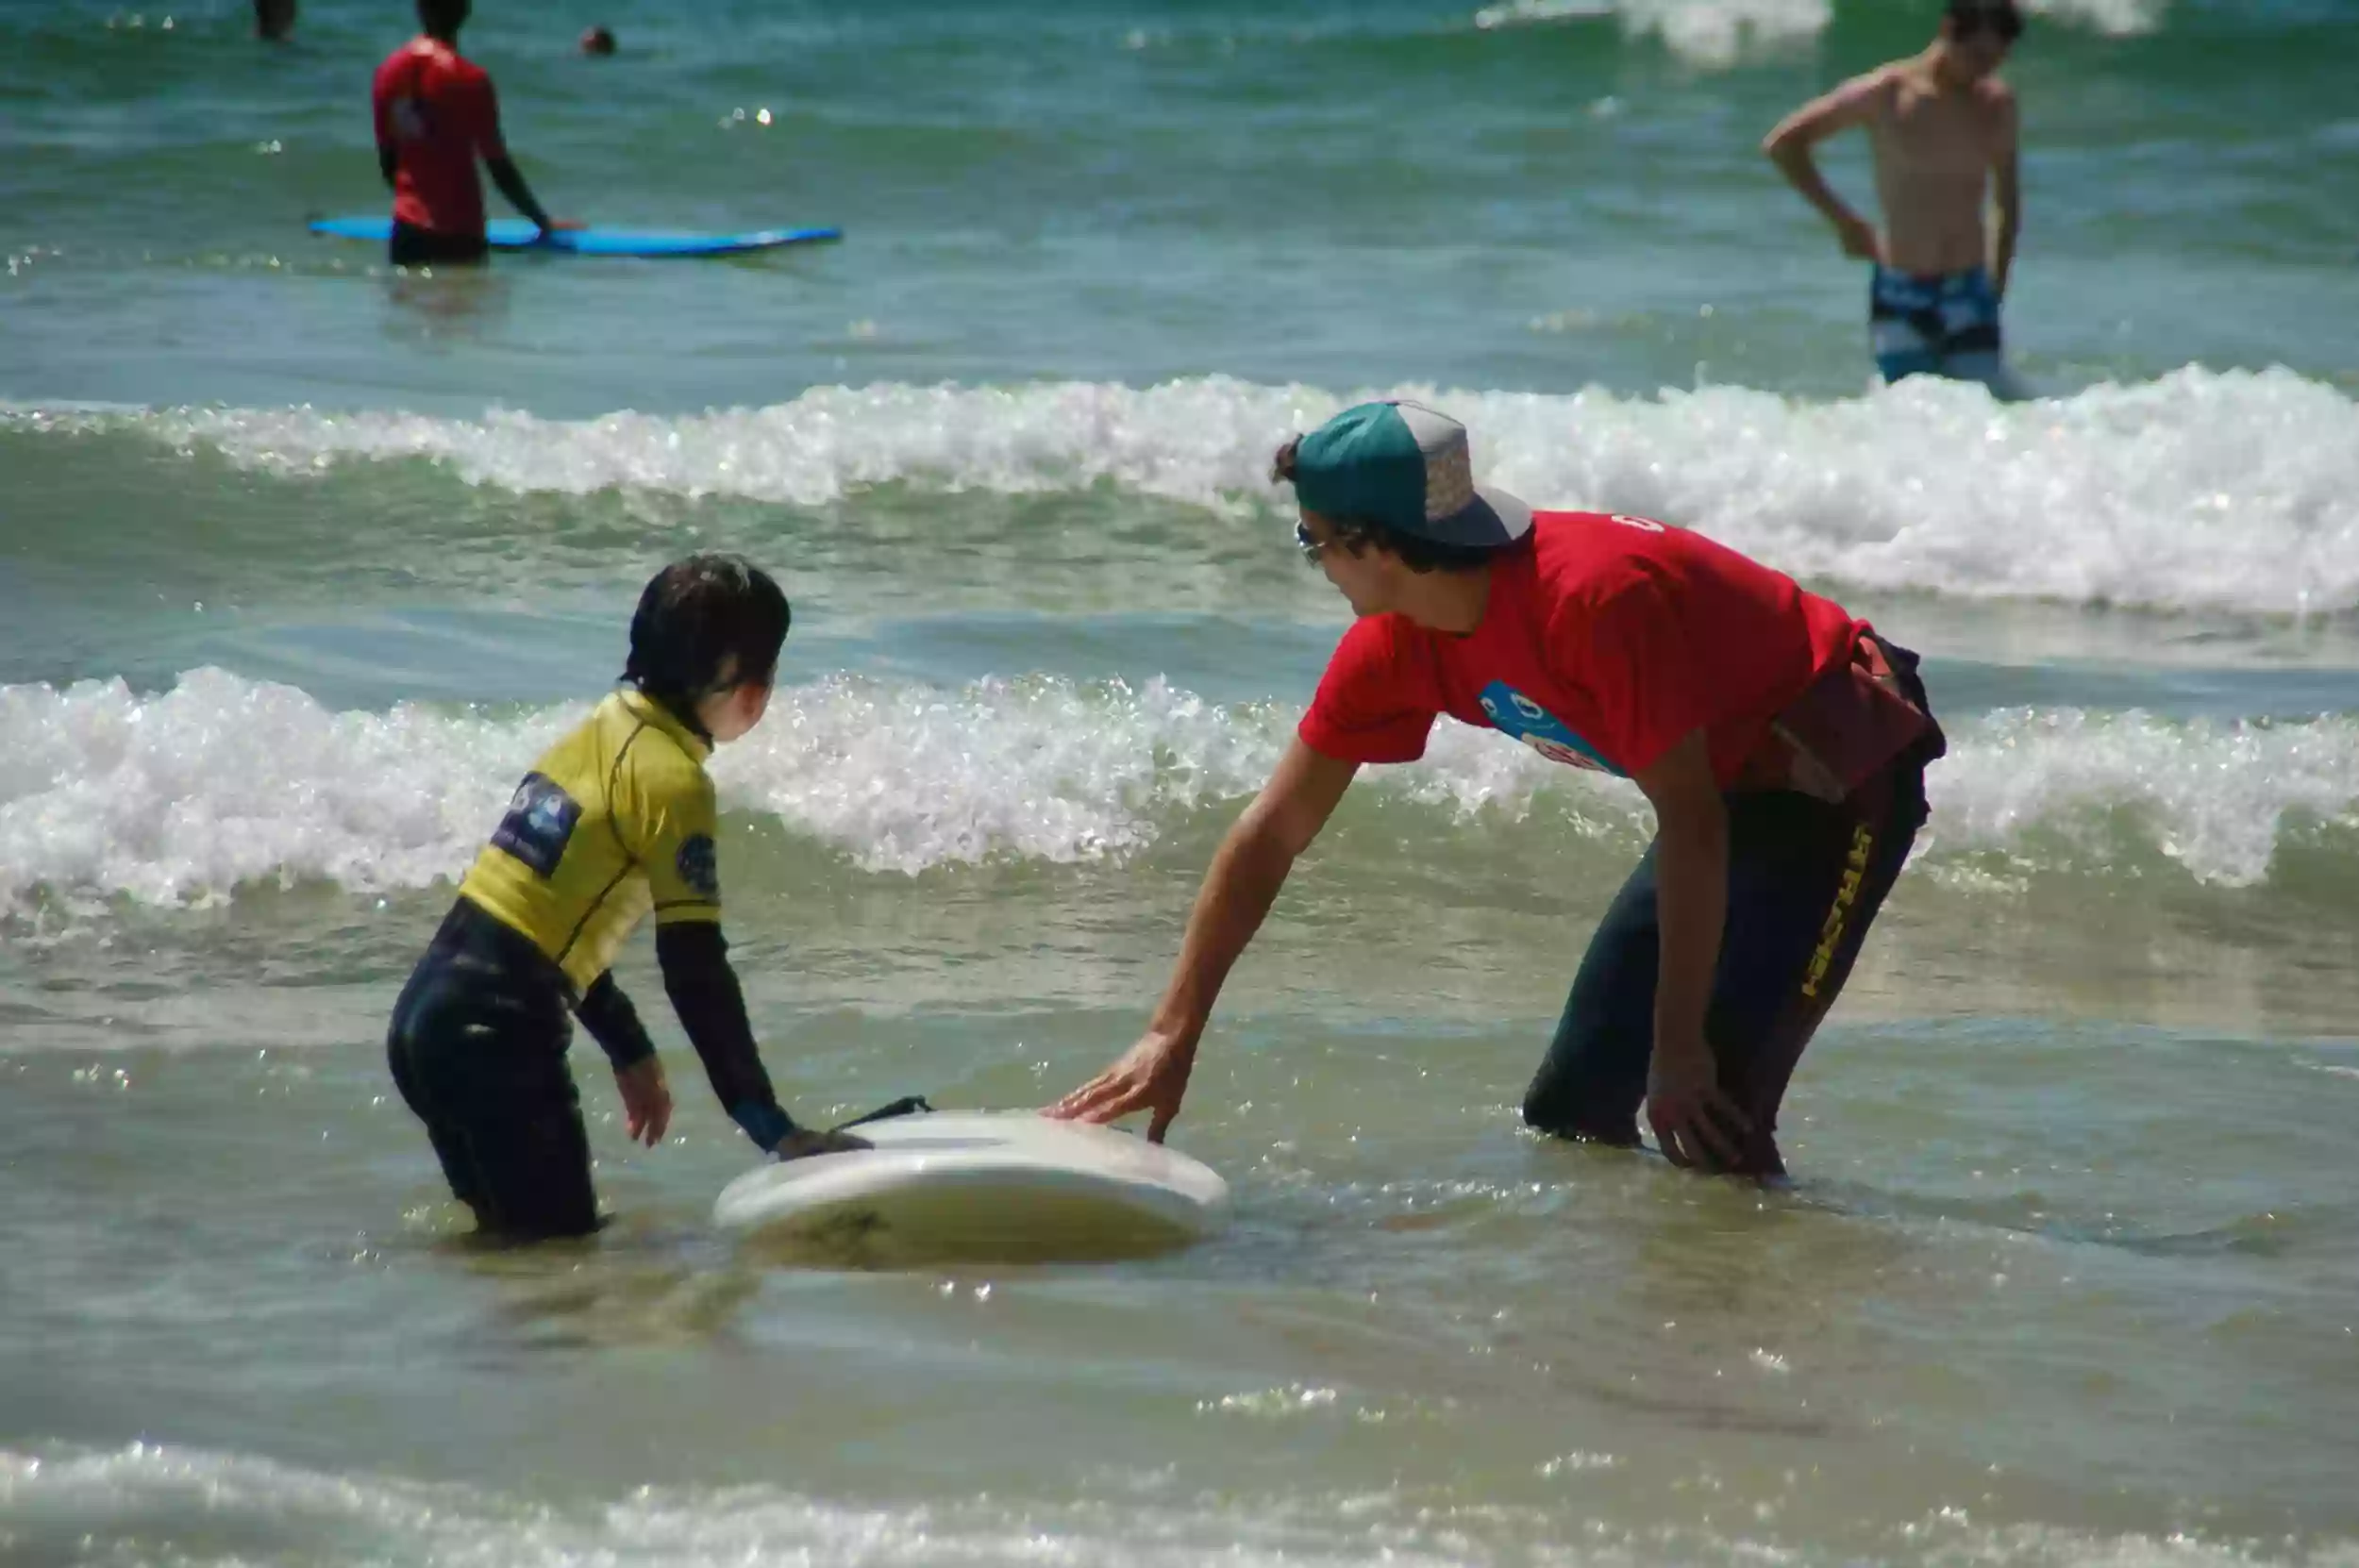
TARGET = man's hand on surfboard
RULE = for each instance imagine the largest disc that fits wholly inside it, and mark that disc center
(1151, 1077)
(646, 1100)
(804, 1142)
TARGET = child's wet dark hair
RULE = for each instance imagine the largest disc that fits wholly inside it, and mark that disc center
(704, 625)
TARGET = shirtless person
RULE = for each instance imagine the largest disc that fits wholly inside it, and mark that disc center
(1940, 123)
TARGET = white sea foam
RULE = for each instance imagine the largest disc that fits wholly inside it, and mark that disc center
(2216, 798)
(1716, 34)
(213, 1510)
(225, 1505)
(1526, 13)
(1709, 33)
(224, 782)
(2113, 18)
(2236, 490)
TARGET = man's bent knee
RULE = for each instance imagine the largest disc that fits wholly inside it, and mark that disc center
(1563, 1115)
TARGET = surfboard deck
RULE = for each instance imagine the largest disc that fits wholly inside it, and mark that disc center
(519, 234)
(977, 1186)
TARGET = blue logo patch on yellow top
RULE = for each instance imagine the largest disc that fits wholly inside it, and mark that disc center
(1512, 713)
(539, 821)
(699, 866)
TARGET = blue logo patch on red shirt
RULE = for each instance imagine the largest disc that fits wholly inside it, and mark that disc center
(1512, 713)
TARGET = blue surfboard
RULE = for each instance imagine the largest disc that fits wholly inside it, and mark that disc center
(519, 234)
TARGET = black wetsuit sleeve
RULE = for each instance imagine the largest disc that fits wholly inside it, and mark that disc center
(705, 994)
(614, 1023)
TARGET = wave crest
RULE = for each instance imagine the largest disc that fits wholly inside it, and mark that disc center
(221, 782)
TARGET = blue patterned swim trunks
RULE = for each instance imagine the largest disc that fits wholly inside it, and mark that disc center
(1946, 325)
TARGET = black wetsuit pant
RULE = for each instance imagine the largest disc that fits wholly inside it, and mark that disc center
(412, 246)
(477, 1048)
(1806, 880)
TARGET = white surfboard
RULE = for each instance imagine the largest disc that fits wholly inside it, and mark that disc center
(969, 1185)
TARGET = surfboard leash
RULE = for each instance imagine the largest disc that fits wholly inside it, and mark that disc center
(907, 1105)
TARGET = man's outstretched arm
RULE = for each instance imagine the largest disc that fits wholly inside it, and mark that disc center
(1252, 865)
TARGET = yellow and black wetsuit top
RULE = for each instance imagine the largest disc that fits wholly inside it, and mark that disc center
(616, 820)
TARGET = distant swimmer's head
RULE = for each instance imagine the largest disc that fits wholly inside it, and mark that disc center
(704, 643)
(1386, 487)
(597, 40)
(1978, 34)
(273, 19)
(443, 18)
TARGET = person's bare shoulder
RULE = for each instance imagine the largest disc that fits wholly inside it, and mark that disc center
(1995, 101)
(1881, 81)
(1859, 101)
(1877, 90)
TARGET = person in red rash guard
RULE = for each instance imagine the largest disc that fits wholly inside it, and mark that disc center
(436, 115)
(1782, 742)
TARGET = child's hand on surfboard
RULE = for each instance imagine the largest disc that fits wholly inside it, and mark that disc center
(804, 1142)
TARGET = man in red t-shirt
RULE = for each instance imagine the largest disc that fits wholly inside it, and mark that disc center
(436, 114)
(1781, 743)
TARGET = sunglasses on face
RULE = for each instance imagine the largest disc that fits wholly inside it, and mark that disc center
(1311, 548)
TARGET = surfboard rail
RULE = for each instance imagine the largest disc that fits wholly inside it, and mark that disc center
(518, 234)
(1002, 1186)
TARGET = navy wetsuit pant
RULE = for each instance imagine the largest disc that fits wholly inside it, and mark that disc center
(1806, 880)
(412, 246)
(478, 1049)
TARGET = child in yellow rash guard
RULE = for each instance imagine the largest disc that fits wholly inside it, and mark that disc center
(615, 821)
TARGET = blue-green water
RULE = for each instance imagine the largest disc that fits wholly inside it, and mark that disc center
(301, 559)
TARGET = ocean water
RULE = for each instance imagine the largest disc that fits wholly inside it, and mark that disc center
(301, 561)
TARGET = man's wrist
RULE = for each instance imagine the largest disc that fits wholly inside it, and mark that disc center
(1183, 1034)
(1680, 1041)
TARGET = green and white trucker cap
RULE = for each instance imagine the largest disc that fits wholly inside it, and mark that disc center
(1407, 467)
